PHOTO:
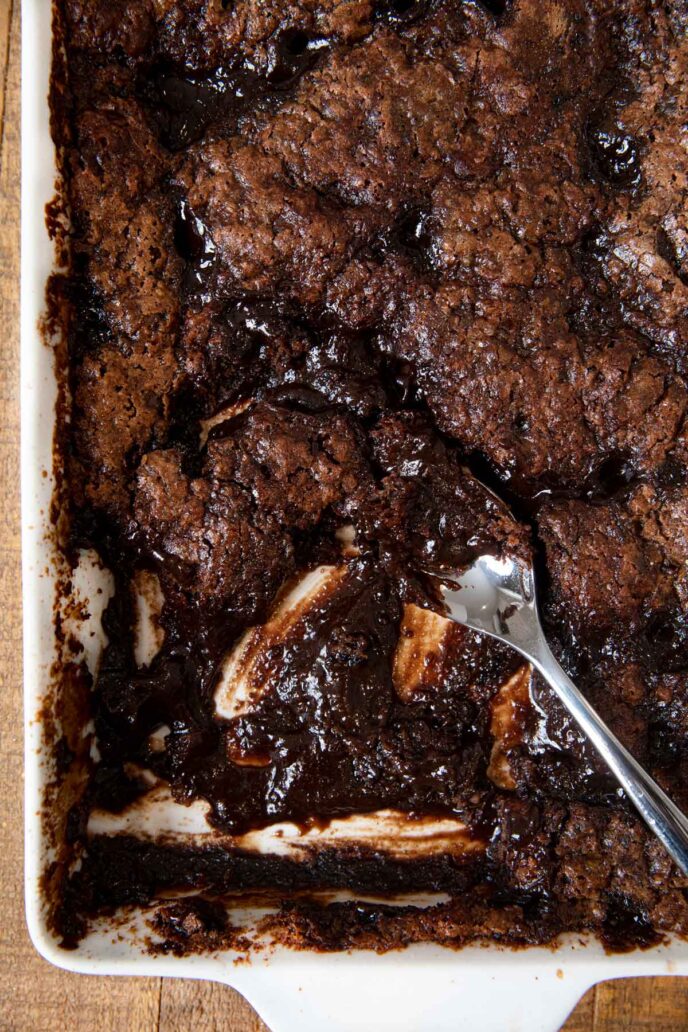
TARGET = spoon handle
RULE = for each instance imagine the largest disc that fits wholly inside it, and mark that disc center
(661, 815)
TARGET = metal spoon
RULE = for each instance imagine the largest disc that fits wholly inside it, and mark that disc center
(496, 596)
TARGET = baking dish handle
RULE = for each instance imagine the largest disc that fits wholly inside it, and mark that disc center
(427, 998)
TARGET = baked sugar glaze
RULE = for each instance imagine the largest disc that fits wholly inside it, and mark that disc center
(335, 265)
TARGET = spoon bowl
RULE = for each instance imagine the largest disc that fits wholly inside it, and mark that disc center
(497, 596)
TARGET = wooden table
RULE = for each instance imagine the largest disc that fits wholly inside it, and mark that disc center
(35, 997)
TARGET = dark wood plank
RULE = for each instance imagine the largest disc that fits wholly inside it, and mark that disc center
(642, 1005)
(205, 1007)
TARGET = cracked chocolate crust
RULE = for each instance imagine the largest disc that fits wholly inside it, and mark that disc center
(335, 266)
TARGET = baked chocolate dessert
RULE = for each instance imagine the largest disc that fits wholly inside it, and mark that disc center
(335, 265)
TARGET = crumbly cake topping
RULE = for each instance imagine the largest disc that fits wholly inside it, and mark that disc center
(336, 264)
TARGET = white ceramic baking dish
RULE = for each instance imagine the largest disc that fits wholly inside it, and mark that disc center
(424, 987)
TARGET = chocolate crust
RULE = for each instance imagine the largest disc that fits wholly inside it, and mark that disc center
(337, 264)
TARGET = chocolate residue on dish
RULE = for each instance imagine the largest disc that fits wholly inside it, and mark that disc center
(308, 924)
(194, 925)
(333, 268)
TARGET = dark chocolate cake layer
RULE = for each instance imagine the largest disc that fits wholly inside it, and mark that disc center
(334, 267)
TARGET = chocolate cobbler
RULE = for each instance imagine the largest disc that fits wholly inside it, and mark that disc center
(355, 285)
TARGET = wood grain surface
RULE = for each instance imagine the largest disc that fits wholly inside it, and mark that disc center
(35, 997)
